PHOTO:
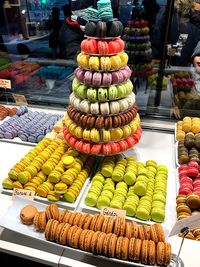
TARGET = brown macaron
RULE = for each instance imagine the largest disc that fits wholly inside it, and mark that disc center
(144, 232)
(58, 231)
(67, 216)
(105, 224)
(94, 242)
(157, 233)
(151, 252)
(71, 219)
(62, 239)
(87, 242)
(42, 221)
(27, 214)
(110, 225)
(144, 252)
(160, 253)
(125, 248)
(128, 230)
(62, 215)
(117, 226)
(106, 244)
(94, 221)
(52, 211)
(122, 227)
(100, 241)
(86, 224)
(168, 254)
(112, 246)
(77, 218)
(99, 222)
(82, 220)
(75, 237)
(82, 239)
(135, 229)
(70, 234)
(50, 230)
(119, 247)
(135, 249)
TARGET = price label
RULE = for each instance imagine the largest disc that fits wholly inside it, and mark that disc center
(28, 194)
(6, 84)
(190, 222)
(20, 99)
(113, 212)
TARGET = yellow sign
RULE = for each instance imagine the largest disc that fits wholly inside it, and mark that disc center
(113, 212)
(5, 84)
(23, 193)
(20, 99)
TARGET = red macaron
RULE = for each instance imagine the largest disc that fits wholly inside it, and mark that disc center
(96, 149)
(103, 48)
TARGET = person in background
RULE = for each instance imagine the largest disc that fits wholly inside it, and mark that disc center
(54, 25)
(71, 33)
(196, 63)
(151, 9)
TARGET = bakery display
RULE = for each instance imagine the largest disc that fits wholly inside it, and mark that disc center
(29, 126)
(137, 187)
(187, 125)
(52, 170)
(138, 44)
(102, 235)
(102, 113)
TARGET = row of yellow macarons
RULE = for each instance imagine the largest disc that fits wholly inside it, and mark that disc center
(96, 63)
(102, 135)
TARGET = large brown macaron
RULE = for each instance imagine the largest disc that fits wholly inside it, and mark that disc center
(112, 246)
(77, 218)
(62, 215)
(119, 247)
(87, 242)
(182, 207)
(82, 220)
(144, 252)
(71, 219)
(58, 231)
(180, 199)
(124, 248)
(100, 241)
(94, 221)
(168, 254)
(42, 221)
(117, 226)
(62, 239)
(122, 227)
(27, 214)
(106, 244)
(193, 201)
(99, 222)
(128, 230)
(75, 237)
(105, 224)
(135, 229)
(135, 245)
(86, 224)
(160, 253)
(50, 229)
(67, 216)
(151, 252)
(94, 242)
(144, 232)
(110, 225)
(157, 233)
(70, 234)
(82, 239)
(52, 211)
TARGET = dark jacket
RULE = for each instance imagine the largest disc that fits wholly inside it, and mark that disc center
(69, 39)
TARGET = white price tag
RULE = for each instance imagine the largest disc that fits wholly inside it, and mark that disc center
(28, 194)
(6, 84)
(190, 222)
(113, 212)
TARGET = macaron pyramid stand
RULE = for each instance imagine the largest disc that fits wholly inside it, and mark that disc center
(138, 45)
(102, 115)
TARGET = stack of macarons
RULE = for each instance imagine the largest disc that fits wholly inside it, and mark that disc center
(102, 112)
(103, 12)
(102, 63)
(103, 79)
(102, 47)
(5, 111)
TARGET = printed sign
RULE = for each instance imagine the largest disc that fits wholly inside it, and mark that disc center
(113, 212)
(20, 99)
(190, 222)
(23, 193)
(6, 84)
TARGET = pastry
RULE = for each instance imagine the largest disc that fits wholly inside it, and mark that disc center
(90, 28)
(101, 29)
(27, 214)
(103, 48)
(94, 63)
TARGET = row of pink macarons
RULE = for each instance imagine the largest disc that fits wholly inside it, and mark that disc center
(102, 78)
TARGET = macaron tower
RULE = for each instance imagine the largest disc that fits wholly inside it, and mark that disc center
(138, 46)
(102, 115)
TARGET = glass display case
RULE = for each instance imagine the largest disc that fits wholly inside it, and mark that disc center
(90, 88)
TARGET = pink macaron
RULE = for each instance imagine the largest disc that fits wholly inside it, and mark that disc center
(106, 79)
(186, 180)
(193, 164)
(88, 77)
(97, 79)
(192, 172)
(184, 191)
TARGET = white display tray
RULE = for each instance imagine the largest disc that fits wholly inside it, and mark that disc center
(176, 154)
(12, 221)
(64, 204)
